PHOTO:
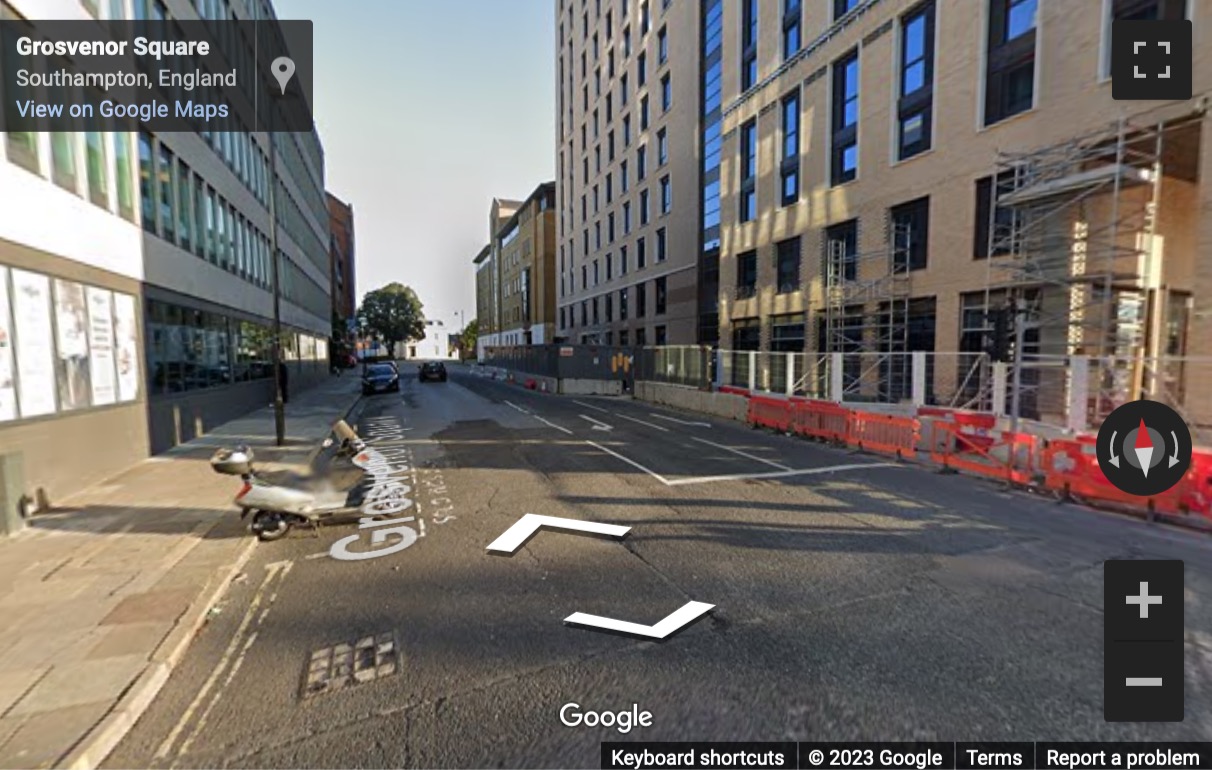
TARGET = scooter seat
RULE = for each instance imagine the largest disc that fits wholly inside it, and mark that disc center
(291, 480)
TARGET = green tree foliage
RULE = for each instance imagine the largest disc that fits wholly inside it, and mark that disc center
(467, 340)
(392, 314)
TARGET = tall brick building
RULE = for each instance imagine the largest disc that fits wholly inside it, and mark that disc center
(341, 251)
(875, 177)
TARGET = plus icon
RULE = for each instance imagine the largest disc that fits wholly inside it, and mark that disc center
(1151, 60)
(1144, 600)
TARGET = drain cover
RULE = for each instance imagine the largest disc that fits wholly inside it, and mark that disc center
(347, 664)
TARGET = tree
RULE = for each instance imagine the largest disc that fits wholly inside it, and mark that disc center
(392, 314)
(467, 340)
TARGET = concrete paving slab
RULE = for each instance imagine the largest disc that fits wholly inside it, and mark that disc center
(15, 684)
(101, 680)
(38, 741)
(151, 606)
(130, 639)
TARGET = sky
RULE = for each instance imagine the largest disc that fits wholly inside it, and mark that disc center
(427, 110)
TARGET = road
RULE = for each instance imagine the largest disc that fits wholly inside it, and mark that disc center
(854, 599)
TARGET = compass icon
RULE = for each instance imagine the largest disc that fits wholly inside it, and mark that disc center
(1144, 448)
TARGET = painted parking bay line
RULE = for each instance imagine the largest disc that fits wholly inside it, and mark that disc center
(681, 422)
(778, 474)
(743, 453)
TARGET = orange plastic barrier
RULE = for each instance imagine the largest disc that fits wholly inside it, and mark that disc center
(822, 420)
(1007, 456)
(770, 413)
(1070, 468)
(890, 434)
(1196, 486)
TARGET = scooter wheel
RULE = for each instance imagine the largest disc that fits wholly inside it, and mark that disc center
(270, 526)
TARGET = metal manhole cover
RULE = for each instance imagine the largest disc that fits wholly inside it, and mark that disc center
(347, 664)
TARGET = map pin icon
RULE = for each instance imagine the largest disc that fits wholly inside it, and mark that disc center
(283, 68)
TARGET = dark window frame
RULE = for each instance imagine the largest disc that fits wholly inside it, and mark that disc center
(748, 196)
(1007, 62)
(918, 103)
(915, 214)
(789, 166)
(843, 136)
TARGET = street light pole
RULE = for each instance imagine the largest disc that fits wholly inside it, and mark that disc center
(279, 400)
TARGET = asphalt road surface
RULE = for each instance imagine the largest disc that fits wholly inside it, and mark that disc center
(855, 599)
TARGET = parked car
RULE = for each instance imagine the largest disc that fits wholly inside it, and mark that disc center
(380, 378)
(432, 370)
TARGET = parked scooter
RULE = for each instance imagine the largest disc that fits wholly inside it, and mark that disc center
(278, 502)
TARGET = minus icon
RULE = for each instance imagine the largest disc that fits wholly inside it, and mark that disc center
(1144, 681)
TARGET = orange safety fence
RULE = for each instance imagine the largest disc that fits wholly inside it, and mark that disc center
(1070, 468)
(890, 434)
(823, 420)
(770, 413)
(1002, 455)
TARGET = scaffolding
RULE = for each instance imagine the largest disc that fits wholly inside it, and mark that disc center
(867, 298)
(1072, 263)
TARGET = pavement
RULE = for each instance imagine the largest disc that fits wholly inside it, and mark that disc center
(102, 596)
(854, 599)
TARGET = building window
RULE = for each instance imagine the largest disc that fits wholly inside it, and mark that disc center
(641, 69)
(185, 209)
(749, 44)
(666, 195)
(97, 167)
(749, 171)
(622, 307)
(623, 260)
(1137, 10)
(645, 18)
(1010, 59)
(641, 162)
(843, 7)
(787, 333)
(641, 300)
(660, 295)
(122, 176)
(793, 17)
(641, 253)
(626, 130)
(789, 168)
(610, 227)
(609, 187)
(644, 112)
(641, 338)
(746, 275)
(666, 93)
(623, 92)
(911, 234)
(844, 158)
(626, 40)
(660, 247)
(662, 147)
(787, 266)
(660, 336)
(164, 177)
(662, 46)
(995, 226)
(841, 250)
(623, 338)
(643, 207)
(623, 179)
(147, 188)
(609, 299)
(916, 103)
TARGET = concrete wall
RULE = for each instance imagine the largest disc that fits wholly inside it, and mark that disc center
(726, 405)
(571, 387)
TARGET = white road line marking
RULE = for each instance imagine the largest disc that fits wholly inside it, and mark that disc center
(779, 474)
(743, 453)
(552, 424)
(630, 462)
(591, 406)
(540, 419)
(524, 528)
(623, 416)
(652, 425)
(596, 424)
(680, 422)
(272, 572)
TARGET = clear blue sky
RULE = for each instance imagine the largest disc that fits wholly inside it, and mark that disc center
(427, 110)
